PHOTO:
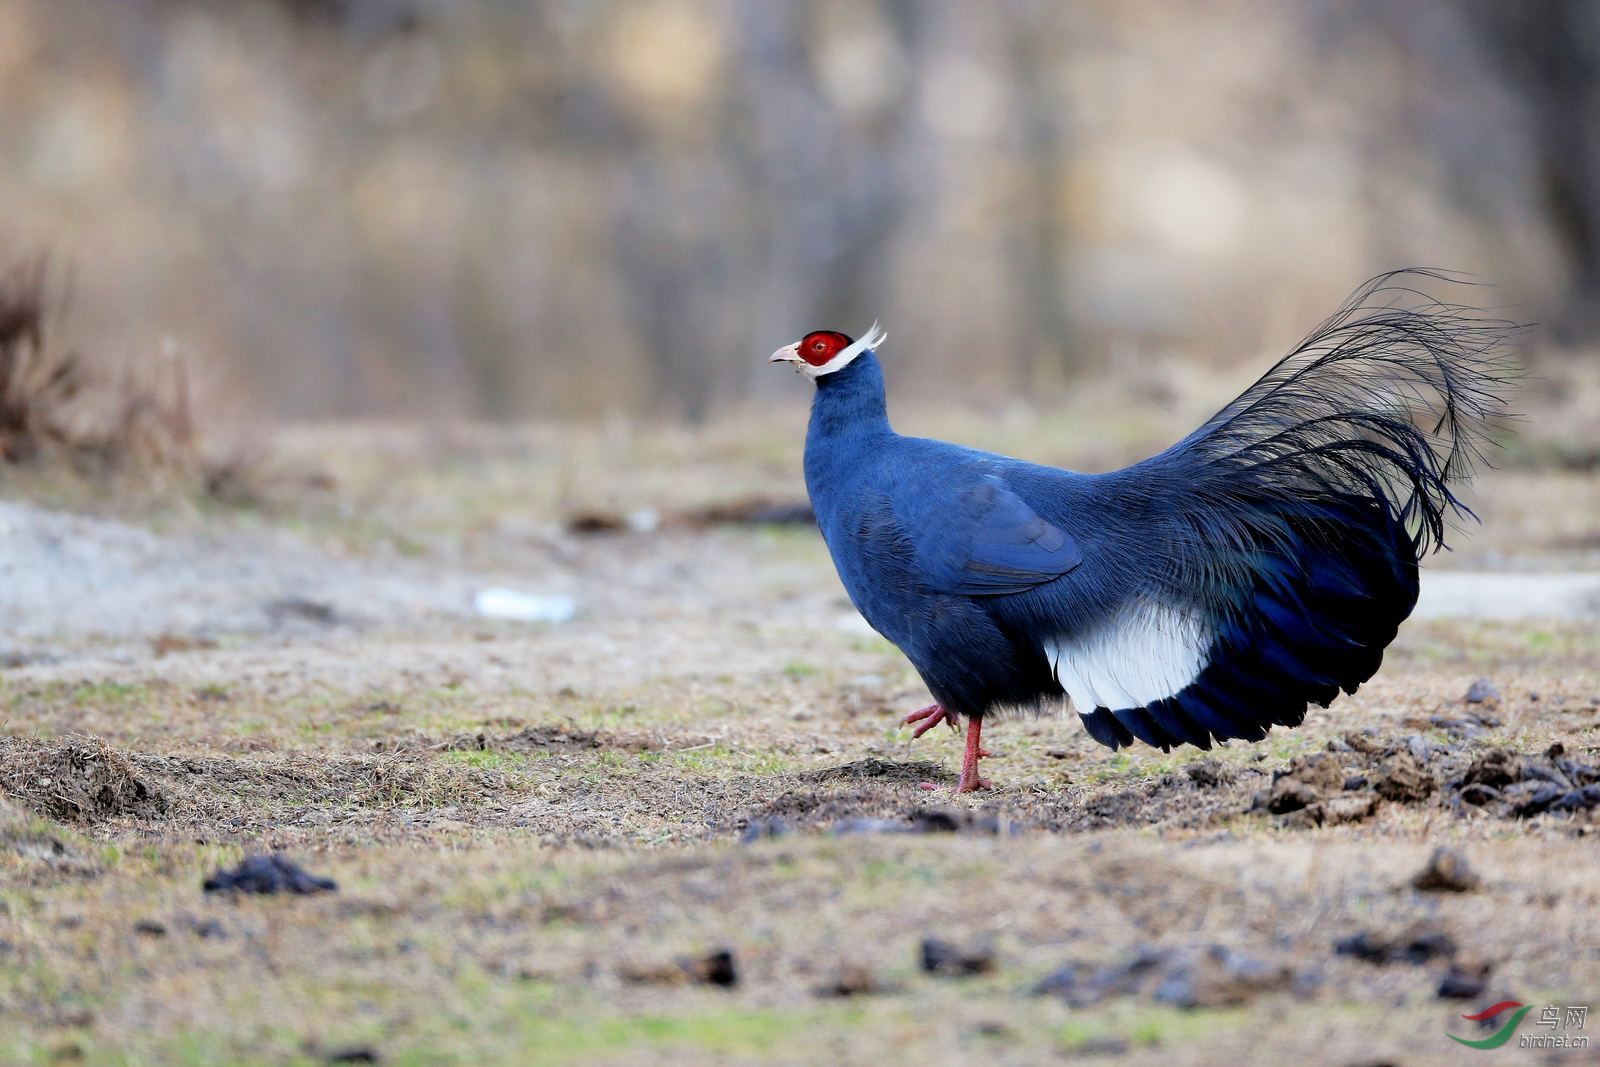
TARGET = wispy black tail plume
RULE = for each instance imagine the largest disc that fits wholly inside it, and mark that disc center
(1392, 399)
(1290, 526)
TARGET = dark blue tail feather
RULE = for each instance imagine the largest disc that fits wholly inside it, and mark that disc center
(1299, 637)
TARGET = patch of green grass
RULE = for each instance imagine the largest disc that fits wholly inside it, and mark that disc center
(477, 1019)
(708, 759)
(109, 694)
(730, 1032)
(1148, 1025)
(799, 669)
(722, 757)
(485, 759)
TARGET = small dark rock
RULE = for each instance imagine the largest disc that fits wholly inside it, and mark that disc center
(1424, 944)
(1478, 795)
(716, 969)
(595, 522)
(268, 874)
(354, 1054)
(1539, 801)
(1126, 979)
(1482, 691)
(1416, 944)
(764, 829)
(932, 821)
(1363, 946)
(150, 928)
(1580, 799)
(1554, 798)
(951, 961)
(1509, 783)
(1194, 977)
(1579, 773)
(209, 928)
(1465, 980)
(1447, 871)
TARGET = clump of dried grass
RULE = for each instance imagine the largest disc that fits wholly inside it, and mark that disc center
(77, 778)
(57, 405)
(225, 788)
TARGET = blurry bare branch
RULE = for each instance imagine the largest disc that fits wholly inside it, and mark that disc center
(54, 403)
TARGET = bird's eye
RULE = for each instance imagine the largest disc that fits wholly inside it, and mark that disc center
(818, 347)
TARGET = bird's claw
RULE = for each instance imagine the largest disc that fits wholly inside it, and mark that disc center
(931, 716)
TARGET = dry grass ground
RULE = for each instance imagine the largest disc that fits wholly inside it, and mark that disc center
(532, 826)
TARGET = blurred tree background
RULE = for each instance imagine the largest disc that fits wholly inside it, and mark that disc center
(475, 208)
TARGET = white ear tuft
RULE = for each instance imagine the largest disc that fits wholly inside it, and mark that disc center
(869, 343)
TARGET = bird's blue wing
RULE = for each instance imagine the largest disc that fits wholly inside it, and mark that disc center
(990, 542)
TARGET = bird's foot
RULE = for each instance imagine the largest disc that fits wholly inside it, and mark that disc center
(969, 782)
(931, 716)
(972, 783)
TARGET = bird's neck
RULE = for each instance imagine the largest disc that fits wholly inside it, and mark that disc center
(850, 403)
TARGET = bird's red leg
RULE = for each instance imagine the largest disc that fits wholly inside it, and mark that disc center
(970, 782)
(932, 716)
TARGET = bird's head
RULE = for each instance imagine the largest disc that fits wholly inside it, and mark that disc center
(826, 351)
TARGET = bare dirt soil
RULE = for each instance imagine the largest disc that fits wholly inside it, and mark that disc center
(684, 826)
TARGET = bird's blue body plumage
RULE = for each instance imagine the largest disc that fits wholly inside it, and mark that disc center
(1259, 565)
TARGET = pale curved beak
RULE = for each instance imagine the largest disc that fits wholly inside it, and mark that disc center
(786, 354)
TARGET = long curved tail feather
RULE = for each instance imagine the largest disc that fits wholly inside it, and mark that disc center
(1294, 519)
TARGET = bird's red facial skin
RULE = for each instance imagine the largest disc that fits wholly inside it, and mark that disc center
(820, 347)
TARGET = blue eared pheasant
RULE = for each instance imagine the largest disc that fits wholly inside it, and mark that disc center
(1210, 592)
